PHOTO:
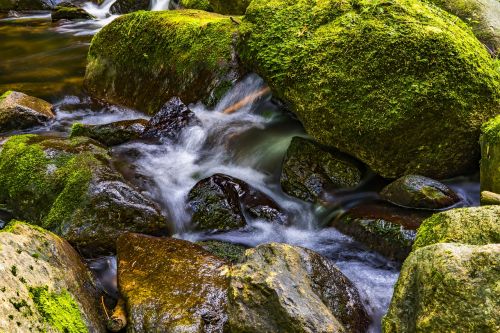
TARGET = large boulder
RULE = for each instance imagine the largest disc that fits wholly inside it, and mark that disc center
(44, 285)
(6, 5)
(19, 111)
(490, 155)
(171, 285)
(219, 203)
(279, 288)
(143, 59)
(419, 192)
(483, 16)
(69, 11)
(401, 85)
(447, 288)
(69, 187)
(234, 7)
(309, 170)
(475, 226)
(112, 133)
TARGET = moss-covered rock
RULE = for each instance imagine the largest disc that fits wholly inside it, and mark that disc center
(419, 192)
(19, 111)
(227, 251)
(143, 59)
(129, 6)
(113, 133)
(171, 285)
(483, 16)
(490, 155)
(68, 186)
(68, 11)
(45, 286)
(309, 170)
(219, 203)
(234, 7)
(401, 85)
(475, 226)
(382, 227)
(447, 288)
(279, 288)
(6, 5)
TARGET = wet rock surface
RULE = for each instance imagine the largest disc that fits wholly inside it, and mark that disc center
(169, 122)
(415, 191)
(129, 6)
(69, 11)
(19, 111)
(111, 134)
(227, 251)
(220, 202)
(7, 5)
(310, 170)
(45, 285)
(171, 285)
(283, 288)
(69, 187)
(447, 288)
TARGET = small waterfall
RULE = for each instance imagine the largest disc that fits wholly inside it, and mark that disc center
(159, 5)
(100, 11)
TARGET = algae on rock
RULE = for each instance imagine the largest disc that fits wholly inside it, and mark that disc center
(401, 85)
(143, 59)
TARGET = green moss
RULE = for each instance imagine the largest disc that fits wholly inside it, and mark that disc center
(5, 94)
(234, 7)
(145, 58)
(59, 310)
(228, 251)
(196, 4)
(362, 73)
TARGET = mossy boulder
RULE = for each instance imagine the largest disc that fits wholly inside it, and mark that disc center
(483, 16)
(279, 288)
(45, 286)
(143, 59)
(415, 191)
(111, 134)
(171, 285)
(447, 288)
(6, 5)
(129, 6)
(387, 229)
(227, 251)
(490, 155)
(475, 226)
(233, 7)
(220, 202)
(360, 74)
(19, 111)
(310, 170)
(69, 11)
(69, 187)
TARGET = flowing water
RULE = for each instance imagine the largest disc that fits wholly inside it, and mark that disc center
(47, 60)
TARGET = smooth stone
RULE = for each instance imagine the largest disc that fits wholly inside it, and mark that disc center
(69, 11)
(111, 134)
(19, 111)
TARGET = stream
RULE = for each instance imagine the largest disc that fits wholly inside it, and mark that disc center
(47, 60)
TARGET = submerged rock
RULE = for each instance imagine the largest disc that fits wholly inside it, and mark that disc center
(447, 288)
(19, 111)
(385, 228)
(402, 98)
(310, 170)
(490, 155)
(45, 286)
(69, 187)
(483, 16)
(129, 6)
(69, 11)
(111, 134)
(283, 288)
(474, 225)
(234, 7)
(7, 5)
(419, 192)
(171, 285)
(169, 122)
(220, 201)
(143, 59)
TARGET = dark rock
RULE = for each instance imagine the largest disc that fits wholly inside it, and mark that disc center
(129, 6)
(171, 285)
(309, 170)
(69, 11)
(169, 122)
(279, 288)
(385, 228)
(19, 111)
(220, 201)
(419, 192)
(227, 251)
(69, 187)
(111, 134)
(20, 5)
